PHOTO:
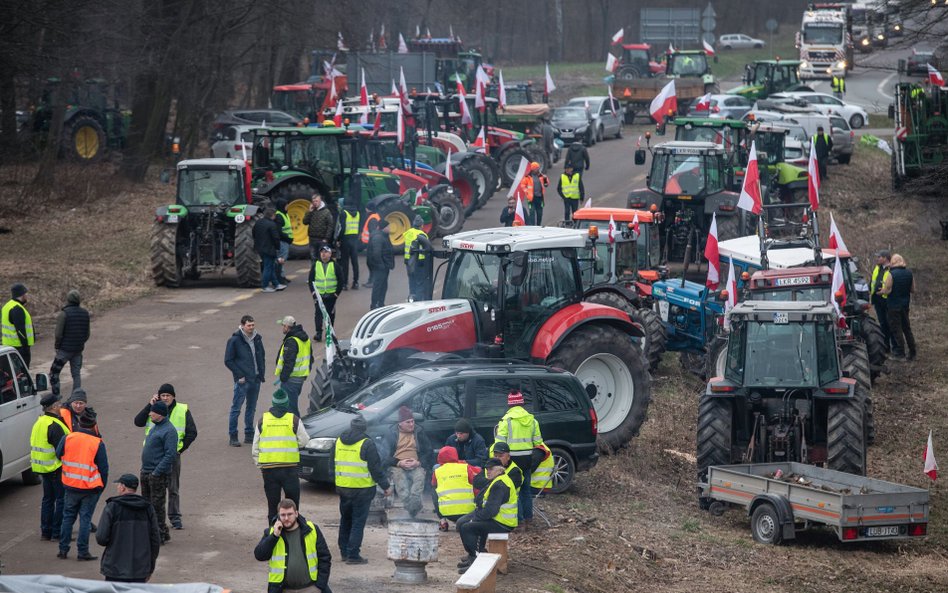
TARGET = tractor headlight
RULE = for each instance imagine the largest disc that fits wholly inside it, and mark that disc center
(372, 347)
(321, 444)
(239, 218)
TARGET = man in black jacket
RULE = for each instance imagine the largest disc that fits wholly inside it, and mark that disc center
(128, 530)
(823, 145)
(577, 157)
(470, 445)
(266, 241)
(180, 417)
(475, 526)
(297, 552)
(72, 333)
(17, 323)
(296, 345)
(246, 359)
(409, 455)
(380, 259)
(355, 499)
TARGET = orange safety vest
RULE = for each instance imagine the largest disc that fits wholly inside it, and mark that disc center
(66, 414)
(79, 468)
(365, 228)
(526, 187)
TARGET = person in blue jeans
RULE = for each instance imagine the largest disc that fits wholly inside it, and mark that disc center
(245, 357)
(85, 473)
(266, 241)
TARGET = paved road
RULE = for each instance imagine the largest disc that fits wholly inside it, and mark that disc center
(178, 336)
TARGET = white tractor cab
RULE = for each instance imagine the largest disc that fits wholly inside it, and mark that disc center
(509, 293)
(19, 410)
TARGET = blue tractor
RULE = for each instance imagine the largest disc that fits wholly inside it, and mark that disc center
(693, 316)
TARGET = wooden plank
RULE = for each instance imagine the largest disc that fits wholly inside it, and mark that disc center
(481, 577)
(498, 543)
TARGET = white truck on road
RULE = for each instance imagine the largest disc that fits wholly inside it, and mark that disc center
(825, 42)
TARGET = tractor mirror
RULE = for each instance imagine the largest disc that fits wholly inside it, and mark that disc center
(640, 156)
(518, 268)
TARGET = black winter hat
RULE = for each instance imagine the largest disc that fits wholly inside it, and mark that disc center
(160, 408)
(493, 462)
(77, 395)
(463, 425)
(167, 388)
(358, 423)
(87, 419)
(18, 290)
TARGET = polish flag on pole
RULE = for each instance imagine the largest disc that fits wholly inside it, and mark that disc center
(400, 129)
(707, 47)
(520, 218)
(813, 181)
(638, 143)
(750, 190)
(403, 96)
(521, 172)
(665, 101)
(466, 118)
(427, 33)
(589, 203)
(417, 31)
(617, 38)
(612, 101)
(480, 143)
(402, 46)
(612, 229)
(548, 87)
(480, 89)
(340, 45)
(501, 91)
(713, 256)
(731, 293)
(934, 76)
(704, 103)
(931, 466)
(382, 44)
(337, 117)
(838, 290)
(671, 48)
(364, 101)
(447, 167)
(611, 63)
(394, 89)
(635, 225)
(836, 240)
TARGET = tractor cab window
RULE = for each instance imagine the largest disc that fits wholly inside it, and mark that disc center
(797, 364)
(209, 187)
(828, 361)
(688, 65)
(635, 55)
(627, 258)
(473, 275)
(648, 247)
(770, 144)
(686, 174)
(806, 293)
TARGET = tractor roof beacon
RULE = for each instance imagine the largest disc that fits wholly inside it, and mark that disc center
(509, 293)
(783, 396)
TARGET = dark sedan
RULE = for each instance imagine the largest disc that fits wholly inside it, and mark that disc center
(918, 62)
(573, 123)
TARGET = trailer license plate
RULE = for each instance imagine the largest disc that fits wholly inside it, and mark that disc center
(887, 531)
(781, 318)
(172, 218)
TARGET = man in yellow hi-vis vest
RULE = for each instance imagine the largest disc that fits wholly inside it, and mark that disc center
(48, 430)
(349, 229)
(297, 552)
(453, 480)
(496, 512)
(17, 325)
(294, 361)
(878, 300)
(571, 190)
(277, 440)
(418, 261)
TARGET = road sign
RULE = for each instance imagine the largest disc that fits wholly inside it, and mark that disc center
(708, 23)
(709, 11)
(771, 25)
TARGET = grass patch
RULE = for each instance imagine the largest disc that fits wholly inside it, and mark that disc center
(691, 526)
(555, 589)
(880, 120)
(730, 64)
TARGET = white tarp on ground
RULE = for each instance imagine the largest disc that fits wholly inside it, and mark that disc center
(52, 583)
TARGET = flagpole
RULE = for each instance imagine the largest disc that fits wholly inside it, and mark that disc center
(761, 232)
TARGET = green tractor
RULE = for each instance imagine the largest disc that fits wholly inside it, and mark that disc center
(921, 131)
(209, 228)
(691, 63)
(766, 77)
(293, 163)
(91, 125)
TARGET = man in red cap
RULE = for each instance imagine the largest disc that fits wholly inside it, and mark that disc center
(409, 454)
(521, 432)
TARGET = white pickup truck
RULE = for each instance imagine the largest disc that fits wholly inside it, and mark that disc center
(19, 409)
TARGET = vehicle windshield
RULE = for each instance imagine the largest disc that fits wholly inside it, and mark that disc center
(803, 293)
(209, 187)
(472, 275)
(596, 265)
(636, 55)
(569, 113)
(686, 174)
(517, 96)
(320, 153)
(725, 136)
(770, 145)
(823, 33)
(774, 355)
(379, 398)
(689, 65)
(649, 236)
(298, 103)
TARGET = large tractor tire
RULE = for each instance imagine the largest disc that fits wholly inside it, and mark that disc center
(165, 268)
(738, 225)
(490, 166)
(320, 391)
(846, 436)
(715, 426)
(298, 198)
(605, 357)
(83, 139)
(449, 210)
(246, 259)
(482, 179)
(510, 164)
(538, 155)
(855, 361)
(870, 332)
(654, 329)
(399, 215)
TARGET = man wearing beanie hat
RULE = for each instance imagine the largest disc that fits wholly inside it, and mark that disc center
(521, 431)
(418, 261)
(85, 472)
(48, 430)
(74, 408)
(72, 333)
(409, 454)
(158, 457)
(16, 324)
(358, 470)
(277, 441)
(470, 446)
(179, 415)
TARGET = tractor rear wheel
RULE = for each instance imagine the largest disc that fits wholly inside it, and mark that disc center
(449, 211)
(83, 139)
(715, 425)
(855, 361)
(246, 260)
(538, 155)
(399, 216)
(605, 358)
(483, 180)
(320, 392)
(511, 164)
(729, 227)
(165, 268)
(654, 329)
(870, 332)
(298, 198)
(846, 436)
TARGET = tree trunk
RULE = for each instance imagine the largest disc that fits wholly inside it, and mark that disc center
(46, 172)
(8, 127)
(560, 37)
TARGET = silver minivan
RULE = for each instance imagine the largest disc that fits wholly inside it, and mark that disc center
(608, 121)
(19, 410)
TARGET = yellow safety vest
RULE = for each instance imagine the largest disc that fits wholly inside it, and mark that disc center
(455, 493)
(410, 236)
(301, 365)
(522, 440)
(9, 336)
(352, 223)
(278, 442)
(570, 186)
(839, 84)
(43, 458)
(278, 558)
(351, 470)
(324, 277)
(287, 227)
(178, 419)
(875, 276)
(542, 476)
(507, 515)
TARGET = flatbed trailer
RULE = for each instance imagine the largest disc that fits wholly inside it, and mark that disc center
(783, 498)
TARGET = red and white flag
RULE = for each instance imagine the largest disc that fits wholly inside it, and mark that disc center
(480, 89)
(612, 229)
(838, 290)
(612, 101)
(382, 44)
(665, 101)
(704, 103)
(394, 91)
(521, 172)
(402, 46)
(934, 76)
(417, 31)
(836, 240)
(337, 117)
(713, 256)
(403, 92)
(447, 167)
(340, 45)
(635, 225)
(707, 47)
(548, 87)
(931, 466)
(400, 129)
(364, 101)
(611, 62)
(671, 48)
(617, 38)
(427, 33)
(813, 181)
(480, 143)
(750, 191)
(589, 203)
(520, 219)
(501, 91)
(731, 286)
(466, 119)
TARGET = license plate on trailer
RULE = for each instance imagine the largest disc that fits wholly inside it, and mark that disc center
(172, 218)
(886, 531)
(781, 318)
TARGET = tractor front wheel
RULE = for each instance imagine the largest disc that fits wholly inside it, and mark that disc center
(715, 421)
(84, 139)
(605, 360)
(165, 267)
(246, 260)
(449, 211)
(399, 216)
(298, 198)
(870, 332)
(320, 392)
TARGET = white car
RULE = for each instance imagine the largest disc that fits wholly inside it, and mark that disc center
(739, 41)
(19, 410)
(830, 105)
(232, 141)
